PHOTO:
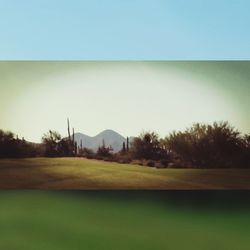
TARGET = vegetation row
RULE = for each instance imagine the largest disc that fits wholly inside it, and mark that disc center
(202, 146)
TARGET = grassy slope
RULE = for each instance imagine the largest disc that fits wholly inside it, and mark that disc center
(75, 173)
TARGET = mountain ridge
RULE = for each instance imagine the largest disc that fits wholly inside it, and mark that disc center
(108, 136)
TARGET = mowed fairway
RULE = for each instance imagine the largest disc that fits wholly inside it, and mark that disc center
(79, 173)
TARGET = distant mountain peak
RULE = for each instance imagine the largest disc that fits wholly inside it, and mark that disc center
(109, 136)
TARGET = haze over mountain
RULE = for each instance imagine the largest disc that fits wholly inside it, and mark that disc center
(108, 136)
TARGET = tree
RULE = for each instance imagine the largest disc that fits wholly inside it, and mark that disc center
(8, 145)
(12, 147)
(216, 145)
(246, 139)
(51, 141)
(86, 152)
(147, 146)
(64, 148)
(104, 151)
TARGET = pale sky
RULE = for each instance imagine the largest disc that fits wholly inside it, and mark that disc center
(128, 97)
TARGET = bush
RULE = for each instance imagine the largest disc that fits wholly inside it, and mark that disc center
(150, 163)
(104, 151)
(125, 160)
(89, 157)
(12, 147)
(148, 146)
(164, 162)
(137, 162)
(97, 157)
(209, 146)
(86, 152)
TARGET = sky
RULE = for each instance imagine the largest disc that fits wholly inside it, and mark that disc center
(127, 96)
(124, 30)
(147, 89)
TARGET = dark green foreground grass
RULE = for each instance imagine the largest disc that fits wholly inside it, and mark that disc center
(79, 173)
(41, 220)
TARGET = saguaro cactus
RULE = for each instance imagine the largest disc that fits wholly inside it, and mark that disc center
(123, 147)
(127, 144)
(73, 142)
(68, 130)
(75, 150)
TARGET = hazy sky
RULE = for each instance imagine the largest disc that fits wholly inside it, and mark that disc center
(125, 96)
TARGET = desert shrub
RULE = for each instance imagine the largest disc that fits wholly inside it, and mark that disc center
(150, 163)
(87, 152)
(12, 147)
(149, 147)
(164, 162)
(51, 142)
(125, 159)
(107, 159)
(89, 157)
(104, 151)
(122, 157)
(137, 162)
(104, 157)
(217, 145)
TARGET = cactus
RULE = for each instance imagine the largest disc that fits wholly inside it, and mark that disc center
(123, 147)
(68, 130)
(69, 139)
(127, 144)
(75, 150)
(73, 142)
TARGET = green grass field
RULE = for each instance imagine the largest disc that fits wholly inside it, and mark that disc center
(79, 173)
(56, 221)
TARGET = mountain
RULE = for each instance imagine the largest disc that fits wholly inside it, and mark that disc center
(110, 138)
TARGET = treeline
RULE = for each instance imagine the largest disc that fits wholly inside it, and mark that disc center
(13, 147)
(202, 146)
